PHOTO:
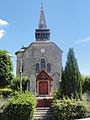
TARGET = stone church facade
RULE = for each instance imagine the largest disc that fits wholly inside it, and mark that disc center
(41, 61)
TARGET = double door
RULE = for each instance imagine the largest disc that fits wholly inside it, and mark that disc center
(43, 87)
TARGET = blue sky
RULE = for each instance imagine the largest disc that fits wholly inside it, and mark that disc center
(68, 20)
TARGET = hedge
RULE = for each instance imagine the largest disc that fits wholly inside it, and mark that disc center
(5, 91)
(69, 109)
(20, 107)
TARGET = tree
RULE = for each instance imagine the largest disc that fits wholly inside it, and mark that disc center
(15, 83)
(6, 68)
(86, 84)
(71, 79)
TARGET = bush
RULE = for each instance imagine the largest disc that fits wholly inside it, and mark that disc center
(57, 94)
(15, 83)
(5, 91)
(86, 84)
(20, 107)
(69, 109)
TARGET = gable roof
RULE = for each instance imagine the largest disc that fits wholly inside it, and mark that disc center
(43, 76)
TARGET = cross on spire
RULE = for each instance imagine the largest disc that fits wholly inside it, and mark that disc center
(42, 22)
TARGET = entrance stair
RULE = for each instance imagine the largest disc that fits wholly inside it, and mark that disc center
(43, 113)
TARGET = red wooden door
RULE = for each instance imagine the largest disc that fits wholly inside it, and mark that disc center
(43, 87)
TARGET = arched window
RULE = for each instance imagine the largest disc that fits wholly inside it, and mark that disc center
(48, 67)
(42, 63)
(37, 67)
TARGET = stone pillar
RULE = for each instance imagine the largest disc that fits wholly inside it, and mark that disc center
(56, 82)
(33, 83)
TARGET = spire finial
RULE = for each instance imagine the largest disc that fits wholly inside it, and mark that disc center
(42, 4)
(42, 22)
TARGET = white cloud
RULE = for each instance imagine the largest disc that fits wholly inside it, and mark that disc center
(87, 39)
(1, 33)
(3, 23)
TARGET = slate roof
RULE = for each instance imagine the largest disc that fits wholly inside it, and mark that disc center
(42, 22)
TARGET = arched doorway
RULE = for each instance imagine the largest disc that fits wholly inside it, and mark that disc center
(43, 90)
(43, 87)
(43, 84)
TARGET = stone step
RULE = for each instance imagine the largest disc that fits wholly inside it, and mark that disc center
(44, 118)
(43, 108)
(43, 113)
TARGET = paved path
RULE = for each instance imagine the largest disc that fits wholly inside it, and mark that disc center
(84, 119)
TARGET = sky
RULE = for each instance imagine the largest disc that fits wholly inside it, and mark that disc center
(68, 20)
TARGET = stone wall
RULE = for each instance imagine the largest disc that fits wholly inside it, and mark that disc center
(33, 55)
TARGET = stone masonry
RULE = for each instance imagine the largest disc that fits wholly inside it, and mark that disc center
(28, 57)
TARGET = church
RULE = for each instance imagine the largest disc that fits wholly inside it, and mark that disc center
(41, 62)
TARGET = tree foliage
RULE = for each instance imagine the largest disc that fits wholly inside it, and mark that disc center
(15, 83)
(71, 79)
(86, 84)
(5, 92)
(6, 68)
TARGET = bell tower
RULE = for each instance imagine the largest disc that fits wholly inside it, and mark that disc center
(42, 33)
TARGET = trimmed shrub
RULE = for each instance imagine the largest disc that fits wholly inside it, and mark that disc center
(20, 107)
(5, 91)
(69, 109)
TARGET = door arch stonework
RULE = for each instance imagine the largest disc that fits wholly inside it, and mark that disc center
(43, 84)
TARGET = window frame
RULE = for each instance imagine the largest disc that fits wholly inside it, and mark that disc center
(48, 67)
(37, 71)
(42, 68)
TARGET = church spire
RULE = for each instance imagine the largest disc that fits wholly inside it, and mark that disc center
(42, 33)
(42, 22)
